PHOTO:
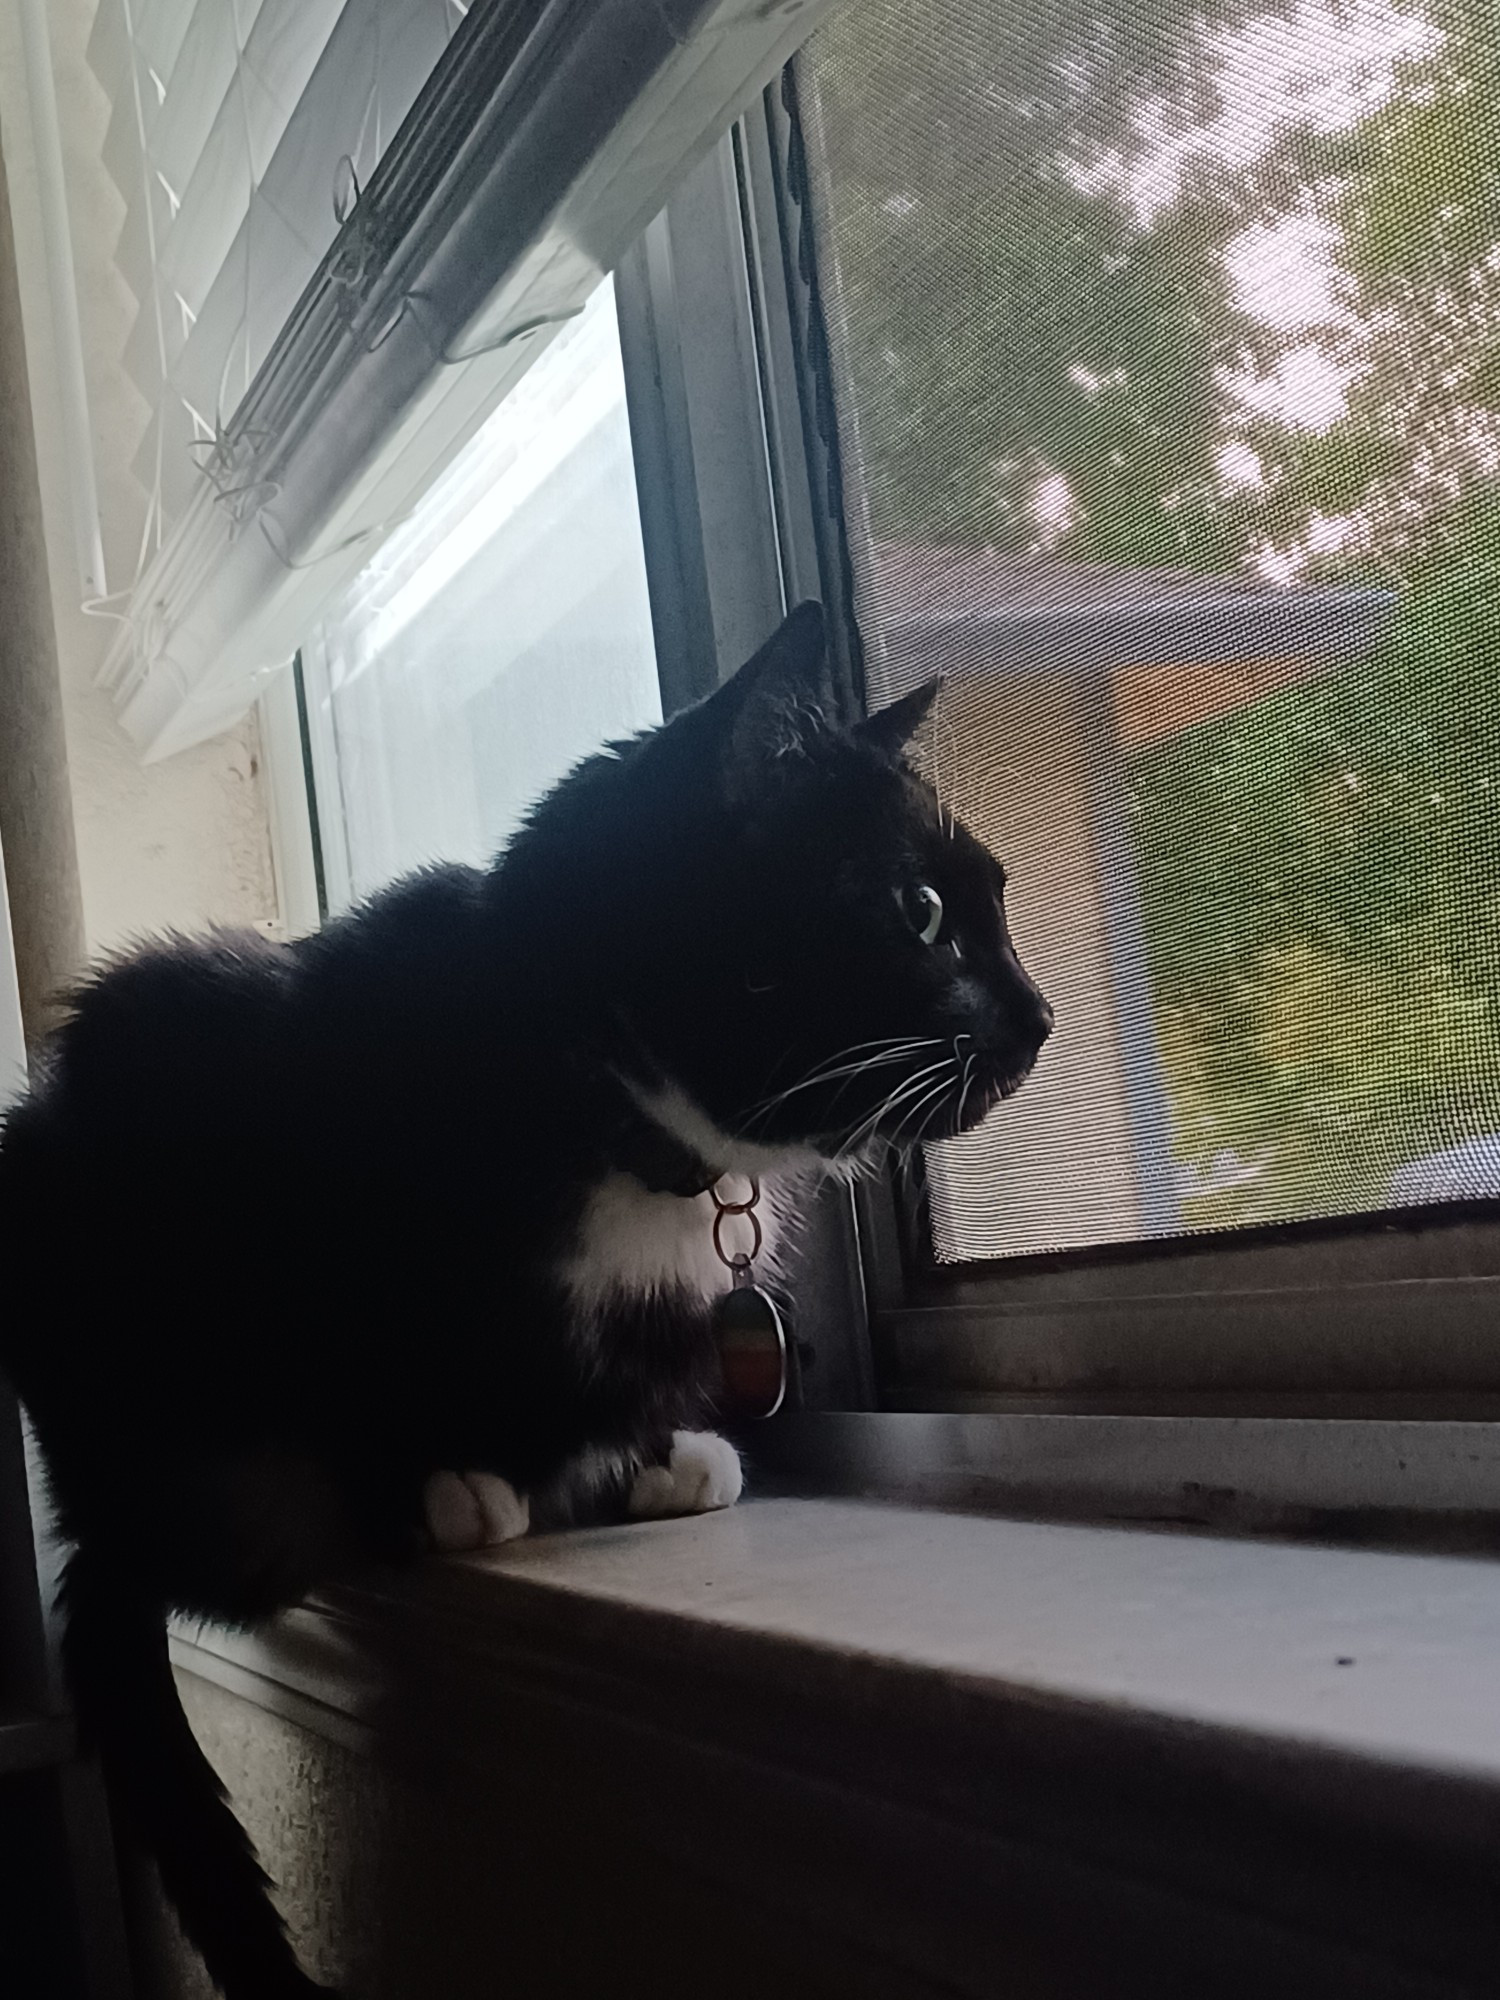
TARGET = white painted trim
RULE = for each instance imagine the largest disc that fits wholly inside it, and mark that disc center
(12, 1032)
(62, 286)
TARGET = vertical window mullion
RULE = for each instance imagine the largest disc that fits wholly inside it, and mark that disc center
(690, 341)
(728, 511)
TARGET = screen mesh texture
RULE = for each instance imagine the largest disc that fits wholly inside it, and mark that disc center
(1165, 345)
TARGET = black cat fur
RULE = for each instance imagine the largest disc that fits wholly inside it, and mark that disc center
(422, 1097)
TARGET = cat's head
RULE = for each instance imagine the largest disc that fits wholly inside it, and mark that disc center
(804, 945)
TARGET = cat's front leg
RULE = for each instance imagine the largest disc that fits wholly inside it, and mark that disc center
(473, 1510)
(701, 1475)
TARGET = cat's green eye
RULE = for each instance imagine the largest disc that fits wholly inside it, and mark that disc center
(922, 907)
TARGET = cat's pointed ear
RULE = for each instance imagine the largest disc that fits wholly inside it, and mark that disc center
(772, 710)
(892, 728)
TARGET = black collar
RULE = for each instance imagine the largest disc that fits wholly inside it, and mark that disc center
(661, 1163)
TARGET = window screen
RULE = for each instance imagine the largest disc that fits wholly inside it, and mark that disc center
(499, 636)
(1165, 345)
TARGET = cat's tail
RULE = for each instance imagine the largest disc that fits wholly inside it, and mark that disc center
(163, 1788)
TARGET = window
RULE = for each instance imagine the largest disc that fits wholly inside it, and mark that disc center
(1134, 366)
(1163, 343)
(497, 637)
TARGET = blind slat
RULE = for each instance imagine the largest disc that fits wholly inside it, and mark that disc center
(230, 121)
(331, 381)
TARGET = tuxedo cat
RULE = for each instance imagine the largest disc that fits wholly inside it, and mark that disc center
(485, 1111)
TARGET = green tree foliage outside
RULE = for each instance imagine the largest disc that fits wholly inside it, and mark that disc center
(1052, 238)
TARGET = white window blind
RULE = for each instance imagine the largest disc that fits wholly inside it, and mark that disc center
(239, 133)
(346, 250)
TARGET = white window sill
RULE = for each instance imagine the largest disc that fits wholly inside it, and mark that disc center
(1197, 1764)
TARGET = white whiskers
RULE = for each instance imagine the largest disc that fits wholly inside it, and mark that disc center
(963, 1096)
(916, 1100)
(908, 1088)
(888, 1049)
(932, 1098)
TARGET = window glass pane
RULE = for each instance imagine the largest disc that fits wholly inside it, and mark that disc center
(502, 633)
(1165, 343)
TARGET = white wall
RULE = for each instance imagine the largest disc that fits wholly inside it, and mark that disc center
(186, 842)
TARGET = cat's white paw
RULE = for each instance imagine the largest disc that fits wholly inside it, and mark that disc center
(473, 1510)
(702, 1474)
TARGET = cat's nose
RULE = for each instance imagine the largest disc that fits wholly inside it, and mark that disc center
(1033, 1015)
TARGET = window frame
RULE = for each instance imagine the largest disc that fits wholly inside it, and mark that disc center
(1250, 1323)
(727, 470)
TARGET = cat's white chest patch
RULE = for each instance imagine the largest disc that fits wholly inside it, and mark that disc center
(632, 1243)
